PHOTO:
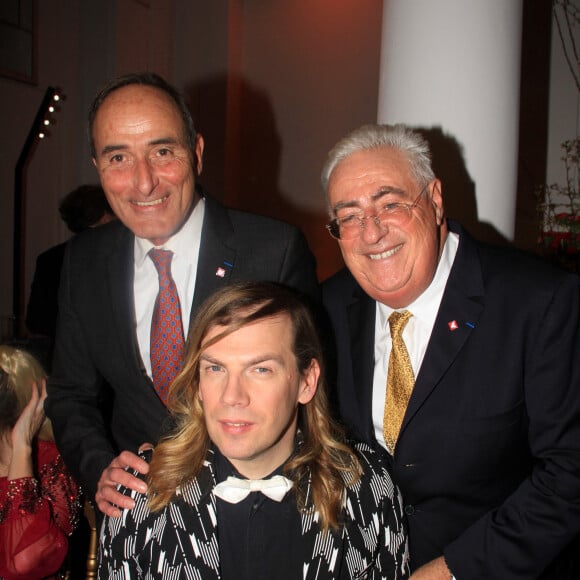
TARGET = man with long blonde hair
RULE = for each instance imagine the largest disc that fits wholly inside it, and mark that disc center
(256, 480)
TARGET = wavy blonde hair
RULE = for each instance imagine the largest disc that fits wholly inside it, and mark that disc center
(20, 370)
(322, 459)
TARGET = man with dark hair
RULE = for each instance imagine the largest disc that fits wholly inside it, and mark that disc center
(462, 360)
(85, 207)
(256, 480)
(129, 289)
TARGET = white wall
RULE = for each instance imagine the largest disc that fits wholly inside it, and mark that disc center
(455, 65)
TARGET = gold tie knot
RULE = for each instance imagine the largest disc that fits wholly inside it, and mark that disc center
(398, 321)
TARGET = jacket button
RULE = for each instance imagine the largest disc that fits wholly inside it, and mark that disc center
(409, 509)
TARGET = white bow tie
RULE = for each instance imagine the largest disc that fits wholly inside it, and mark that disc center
(234, 490)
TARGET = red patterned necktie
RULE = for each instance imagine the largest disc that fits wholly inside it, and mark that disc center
(166, 326)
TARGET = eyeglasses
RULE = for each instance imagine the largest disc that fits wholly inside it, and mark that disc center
(350, 226)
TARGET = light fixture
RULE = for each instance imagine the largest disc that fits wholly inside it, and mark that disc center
(49, 108)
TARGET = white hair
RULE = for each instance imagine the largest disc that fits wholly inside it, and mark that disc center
(400, 137)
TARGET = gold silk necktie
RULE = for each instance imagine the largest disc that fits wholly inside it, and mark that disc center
(400, 380)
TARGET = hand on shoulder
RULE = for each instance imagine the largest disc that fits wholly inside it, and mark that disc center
(108, 497)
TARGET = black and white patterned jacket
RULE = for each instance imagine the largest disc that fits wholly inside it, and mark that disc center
(181, 540)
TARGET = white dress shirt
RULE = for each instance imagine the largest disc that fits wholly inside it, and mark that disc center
(185, 246)
(416, 333)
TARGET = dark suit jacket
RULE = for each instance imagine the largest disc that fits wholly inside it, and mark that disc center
(372, 543)
(42, 309)
(488, 458)
(96, 334)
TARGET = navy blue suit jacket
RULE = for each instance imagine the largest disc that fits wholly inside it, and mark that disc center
(488, 458)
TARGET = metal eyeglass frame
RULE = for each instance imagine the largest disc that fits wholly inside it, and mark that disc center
(333, 226)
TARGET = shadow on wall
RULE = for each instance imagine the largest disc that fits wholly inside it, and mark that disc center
(458, 187)
(242, 158)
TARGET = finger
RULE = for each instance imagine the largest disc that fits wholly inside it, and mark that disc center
(38, 396)
(34, 396)
(125, 479)
(36, 403)
(108, 508)
(112, 477)
(43, 392)
(109, 494)
(30, 410)
(132, 461)
(111, 501)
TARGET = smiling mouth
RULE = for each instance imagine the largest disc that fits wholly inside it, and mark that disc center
(386, 254)
(150, 203)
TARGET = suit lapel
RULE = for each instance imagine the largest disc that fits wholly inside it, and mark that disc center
(461, 307)
(120, 274)
(321, 553)
(217, 257)
(204, 503)
(361, 320)
(201, 520)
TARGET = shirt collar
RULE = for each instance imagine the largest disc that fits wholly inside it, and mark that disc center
(422, 307)
(181, 242)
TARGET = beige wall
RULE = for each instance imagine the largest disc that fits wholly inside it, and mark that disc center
(272, 86)
(309, 77)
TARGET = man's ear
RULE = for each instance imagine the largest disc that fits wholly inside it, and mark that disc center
(198, 154)
(309, 382)
(437, 200)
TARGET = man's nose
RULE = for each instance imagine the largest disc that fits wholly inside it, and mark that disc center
(372, 229)
(234, 393)
(145, 179)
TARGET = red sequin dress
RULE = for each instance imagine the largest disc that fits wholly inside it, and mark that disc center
(37, 514)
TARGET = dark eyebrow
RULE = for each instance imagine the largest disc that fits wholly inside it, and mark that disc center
(165, 141)
(380, 193)
(112, 148)
(161, 141)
